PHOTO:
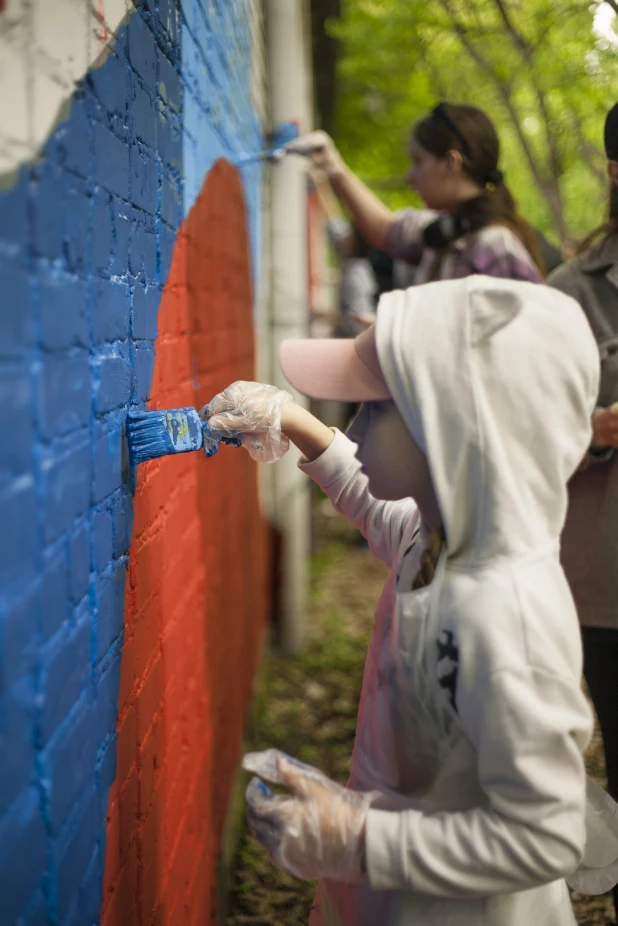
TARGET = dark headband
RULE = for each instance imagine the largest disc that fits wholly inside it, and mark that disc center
(441, 112)
(611, 134)
(495, 177)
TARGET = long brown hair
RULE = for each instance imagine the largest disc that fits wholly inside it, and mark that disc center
(477, 141)
(607, 227)
(429, 559)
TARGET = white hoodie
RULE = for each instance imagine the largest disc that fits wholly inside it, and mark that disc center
(472, 721)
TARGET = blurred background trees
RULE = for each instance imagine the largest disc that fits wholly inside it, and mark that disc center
(545, 70)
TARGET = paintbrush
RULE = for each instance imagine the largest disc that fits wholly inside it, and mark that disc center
(280, 138)
(176, 430)
(273, 154)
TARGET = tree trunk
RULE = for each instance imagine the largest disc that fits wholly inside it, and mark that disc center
(325, 54)
(547, 184)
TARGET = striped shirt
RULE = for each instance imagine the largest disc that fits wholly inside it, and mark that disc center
(495, 251)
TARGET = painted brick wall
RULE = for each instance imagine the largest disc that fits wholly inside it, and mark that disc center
(128, 251)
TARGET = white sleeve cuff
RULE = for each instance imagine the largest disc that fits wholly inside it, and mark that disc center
(385, 847)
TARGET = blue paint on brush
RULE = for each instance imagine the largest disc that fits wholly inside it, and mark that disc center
(176, 430)
(159, 433)
(264, 790)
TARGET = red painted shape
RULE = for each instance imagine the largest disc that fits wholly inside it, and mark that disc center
(196, 598)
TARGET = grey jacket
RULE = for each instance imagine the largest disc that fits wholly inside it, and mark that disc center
(590, 537)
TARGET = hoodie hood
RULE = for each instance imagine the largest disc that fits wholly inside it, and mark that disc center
(496, 381)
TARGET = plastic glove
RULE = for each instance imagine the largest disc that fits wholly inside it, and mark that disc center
(598, 870)
(321, 149)
(317, 831)
(250, 412)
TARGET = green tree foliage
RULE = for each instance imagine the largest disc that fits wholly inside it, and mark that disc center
(538, 67)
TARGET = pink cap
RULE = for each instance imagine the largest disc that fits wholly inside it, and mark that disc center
(343, 369)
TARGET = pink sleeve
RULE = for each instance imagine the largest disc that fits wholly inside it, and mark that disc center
(338, 473)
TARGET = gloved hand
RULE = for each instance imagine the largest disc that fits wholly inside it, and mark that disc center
(317, 831)
(250, 412)
(320, 148)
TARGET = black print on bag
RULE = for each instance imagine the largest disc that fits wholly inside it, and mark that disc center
(448, 665)
(408, 549)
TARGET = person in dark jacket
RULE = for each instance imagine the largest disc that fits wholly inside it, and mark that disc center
(590, 538)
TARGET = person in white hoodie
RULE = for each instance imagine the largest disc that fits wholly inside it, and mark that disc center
(466, 802)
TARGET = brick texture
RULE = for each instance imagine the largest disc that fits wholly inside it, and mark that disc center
(132, 605)
(195, 600)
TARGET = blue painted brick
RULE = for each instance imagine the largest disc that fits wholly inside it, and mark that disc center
(106, 704)
(110, 607)
(150, 9)
(16, 456)
(75, 856)
(48, 212)
(110, 84)
(63, 312)
(90, 894)
(14, 215)
(102, 232)
(66, 485)
(191, 68)
(145, 310)
(77, 223)
(112, 308)
(188, 18)
(22, 856)
(169, 142)
(54, 594)
(113, 381)
(107, 460)
(209, 30)
(169, 84)
(143, 180)
(168, 19)
(69, 762)
(122, 519)
(36, 911)
(79, 562)
(19, 546)
(137, 246)
(66, 672)
(106, 772)
(144, 115)
(167, 240)
(171, 202)
(175, 154)
(18, 632)
(122, 232)
(73, 139)
(142, 50)
(16, 315)
(150, 256)
(143, 247)
(112, 162)
(101, 539)
(143, 363)
(64, 393)
(17, 720)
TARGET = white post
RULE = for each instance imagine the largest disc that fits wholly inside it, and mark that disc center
(289, 68)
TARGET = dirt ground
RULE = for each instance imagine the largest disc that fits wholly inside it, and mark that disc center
(307, 706)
